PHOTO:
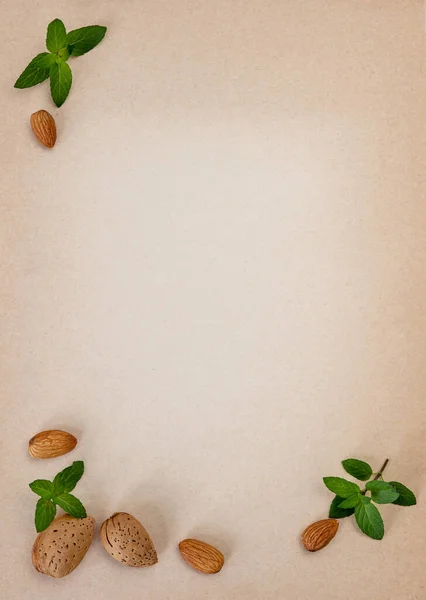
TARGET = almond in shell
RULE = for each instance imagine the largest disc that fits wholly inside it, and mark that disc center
(44, 127)
(201, 556)
(127, 540)
(319, 534)
(60, 548)
(52, 443)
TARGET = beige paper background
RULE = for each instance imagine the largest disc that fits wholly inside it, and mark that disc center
(216, 280)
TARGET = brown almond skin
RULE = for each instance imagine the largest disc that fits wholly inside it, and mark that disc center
(319, 534)
(52, 443)
(201, 556)
(127, 540)
(44, 128)
(60, 548)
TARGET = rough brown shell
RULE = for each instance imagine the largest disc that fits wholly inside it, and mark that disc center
(201, 556)
(60, 548)
(44, 127)
(319, 534)
(126, 540)
(52, 443)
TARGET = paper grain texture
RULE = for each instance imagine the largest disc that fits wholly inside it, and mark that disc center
(216, 280)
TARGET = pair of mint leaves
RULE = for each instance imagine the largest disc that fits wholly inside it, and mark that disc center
(53, 64)
(350, 499)
(57, 492)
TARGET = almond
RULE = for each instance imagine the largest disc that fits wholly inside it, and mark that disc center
(127, 540)
(52, 443)
(319, 534)
(44, 127)
(201, 556)
(60, 548)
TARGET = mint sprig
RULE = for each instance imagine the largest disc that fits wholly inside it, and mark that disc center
(56, 492)
(350, 499)
(53, 64)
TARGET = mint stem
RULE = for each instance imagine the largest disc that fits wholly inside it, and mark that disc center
(378, 475)
(382, 468)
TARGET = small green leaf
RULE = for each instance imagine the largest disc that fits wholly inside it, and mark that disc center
(384, 496)
(382, 492)
(44, 514)
(357, 468)
(377, 485)
(60, 82)
(56, 36)
(34, 73)
(66, 480)
(370, 521)
(63, 54)
(336, 512)
(341, 487)
(46, 60)
(406, 496)
(84, 39)
(71, 505)
(365, 499)
(351, 501)
(43, 488)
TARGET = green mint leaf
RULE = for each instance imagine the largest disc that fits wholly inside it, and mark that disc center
(60, 82)
(34, 73)
(44, 514)
(370, 521)
(66, 480)
(71, 505)
(365, 499)
(357, 468)
(406, 496)
(84, 39)
(45, 60)
(376, 486)
(43, 488)
(56, 36)
(336, 512)
(341, 487)
(382, 492)
(63, 54)
(351, 501)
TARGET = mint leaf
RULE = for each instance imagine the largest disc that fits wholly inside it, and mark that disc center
(44, 514)
(45, 60)
(60, 82)
(377, 485)
(341, 487)
(66, 480)
(351, 501)
(71, 505)
(370, 521)
(42, 487)
(63, 54)
(336, 512)
(357, 468)
(406, 496)
(56, 36)
(84, 39)
(365, 499)
(34, 73)
(382, 492)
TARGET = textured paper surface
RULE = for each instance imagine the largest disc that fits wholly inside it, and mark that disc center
(217, 281)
